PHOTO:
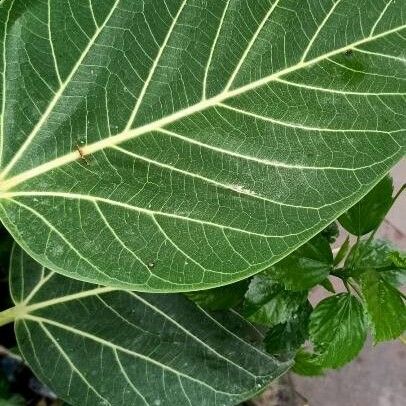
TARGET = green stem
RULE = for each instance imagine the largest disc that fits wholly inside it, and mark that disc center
(400, 191)
(9, 315)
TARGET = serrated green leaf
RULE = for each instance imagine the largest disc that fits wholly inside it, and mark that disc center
(268, 303)
(385, 306)
(306, 267)
(190, 144)
(306, 364)
(285, 338)
(379, 255)
(115, 347)
(369, 212)
(337, 329)
(398, 259)
(222, 298)
(396, 277)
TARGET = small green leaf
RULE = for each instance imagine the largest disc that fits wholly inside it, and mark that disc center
(385, 306)
(395, 277)
(342, 252)
(224, 297)
(331, 232)
(337, 329)
(381, 256)
(378, 254)
(368, 213)
(268, 303)
(306, 364)
(398, 259)
(306, 267)
(328, 285)
(285, 338)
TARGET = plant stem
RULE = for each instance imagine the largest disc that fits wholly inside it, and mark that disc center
(372, 235)
(345, 283)
(9, 315)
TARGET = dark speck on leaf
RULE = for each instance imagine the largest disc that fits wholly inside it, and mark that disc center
(348, 52)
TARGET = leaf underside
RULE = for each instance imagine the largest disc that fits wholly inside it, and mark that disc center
(181, 145)
(102, 346)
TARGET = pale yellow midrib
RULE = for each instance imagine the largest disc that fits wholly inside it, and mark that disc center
(23, 309)
(7, 184)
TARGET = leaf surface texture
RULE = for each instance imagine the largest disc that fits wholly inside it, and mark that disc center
(180, 145)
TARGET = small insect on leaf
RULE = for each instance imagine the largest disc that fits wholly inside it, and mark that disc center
(82, 155)
(348, 52)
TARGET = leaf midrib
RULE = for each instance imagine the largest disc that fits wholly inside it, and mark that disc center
(126, 135)
(24, 309)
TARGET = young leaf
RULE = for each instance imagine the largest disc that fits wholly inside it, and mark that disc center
(385, 306)
(342, 252)
(375, 254)
(101, 346)
(382, 256)
(285, 338)
(306, 267)
(222, 298)
(398, 259)
(337, 329)
(368, 213)
(306, 364)
(189, 145)
(268, 303)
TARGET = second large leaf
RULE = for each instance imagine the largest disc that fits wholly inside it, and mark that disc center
(177, 145)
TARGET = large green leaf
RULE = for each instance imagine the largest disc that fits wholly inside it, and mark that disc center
(102, 346)
(185, 144)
